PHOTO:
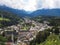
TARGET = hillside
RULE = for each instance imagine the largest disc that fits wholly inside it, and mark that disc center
(7, 18)
(53, 20)
(52, 40)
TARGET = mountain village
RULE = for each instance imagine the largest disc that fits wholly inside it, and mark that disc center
(23, 36)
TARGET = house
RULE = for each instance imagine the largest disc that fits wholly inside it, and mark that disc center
(8, 43)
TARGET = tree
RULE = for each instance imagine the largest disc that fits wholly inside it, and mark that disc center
(2, 40)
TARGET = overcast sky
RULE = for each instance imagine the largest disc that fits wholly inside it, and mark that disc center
(31, 5)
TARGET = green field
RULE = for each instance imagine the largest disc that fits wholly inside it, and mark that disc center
(4, 20)
(1, 19)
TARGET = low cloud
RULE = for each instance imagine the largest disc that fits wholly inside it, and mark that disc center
(31, 5)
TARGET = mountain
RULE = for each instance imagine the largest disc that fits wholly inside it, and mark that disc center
(47, 12)
(23, 13)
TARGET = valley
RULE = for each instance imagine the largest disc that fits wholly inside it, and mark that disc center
(38, 30)
(29, 22)
(24, 33)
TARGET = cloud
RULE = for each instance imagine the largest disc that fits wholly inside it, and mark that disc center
(28, 5)
(48, 4)
(31, 5)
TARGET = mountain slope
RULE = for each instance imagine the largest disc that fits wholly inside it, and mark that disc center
(23, 13)
(52, 40)
(49, 12)
(7, 18)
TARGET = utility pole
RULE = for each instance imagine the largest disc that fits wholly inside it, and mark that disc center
(1, 15)
(12, 36)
